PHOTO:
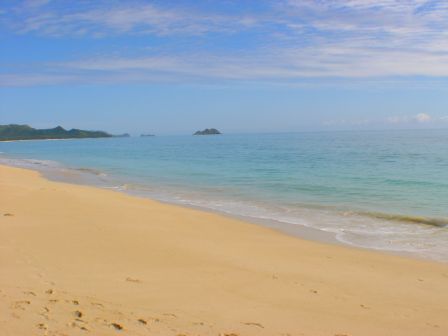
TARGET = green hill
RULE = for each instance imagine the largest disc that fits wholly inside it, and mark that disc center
(25, 132)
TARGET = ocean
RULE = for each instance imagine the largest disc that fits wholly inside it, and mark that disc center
(385, 190)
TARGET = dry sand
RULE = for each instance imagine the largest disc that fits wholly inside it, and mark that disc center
(77, 260)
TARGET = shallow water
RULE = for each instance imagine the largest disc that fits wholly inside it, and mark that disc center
(385, 190)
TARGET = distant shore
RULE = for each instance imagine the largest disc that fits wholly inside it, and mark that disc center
(49, 139)
(13, 132)
(77, 259)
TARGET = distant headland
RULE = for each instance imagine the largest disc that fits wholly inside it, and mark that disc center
(208, 131)
(25, 132)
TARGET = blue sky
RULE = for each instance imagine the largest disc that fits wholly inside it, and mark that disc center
(171, 67)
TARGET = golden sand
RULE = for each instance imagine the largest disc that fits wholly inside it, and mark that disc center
(78, 260)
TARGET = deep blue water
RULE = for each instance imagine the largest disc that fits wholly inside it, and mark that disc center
(379, 189)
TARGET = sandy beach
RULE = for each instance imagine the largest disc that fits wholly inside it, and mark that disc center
(77, 260)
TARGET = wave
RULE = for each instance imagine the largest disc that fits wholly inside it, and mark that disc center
(28, 163)
(437, 222)
(91, 171)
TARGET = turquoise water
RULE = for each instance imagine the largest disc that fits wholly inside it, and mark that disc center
(382, 189)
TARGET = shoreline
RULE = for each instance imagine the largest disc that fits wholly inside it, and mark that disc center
(79, 259)
(294, 230)
(65, 175)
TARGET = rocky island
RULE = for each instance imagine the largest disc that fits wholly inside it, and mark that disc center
(208, 131)
(25, 132)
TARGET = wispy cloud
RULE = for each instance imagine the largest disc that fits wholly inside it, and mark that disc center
(100, 19)
(28, 4)
(292, 40)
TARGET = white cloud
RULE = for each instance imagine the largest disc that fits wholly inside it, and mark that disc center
(419, 118)
(422, 117)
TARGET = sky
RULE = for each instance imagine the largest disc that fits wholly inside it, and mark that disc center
(172, 67)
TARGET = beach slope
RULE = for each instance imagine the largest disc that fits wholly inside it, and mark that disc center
(77, 260)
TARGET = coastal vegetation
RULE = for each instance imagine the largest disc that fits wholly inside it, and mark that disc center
(25, 132)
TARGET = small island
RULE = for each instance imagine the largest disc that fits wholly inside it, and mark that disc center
(25, 132)
(208, 131)
(124, 135)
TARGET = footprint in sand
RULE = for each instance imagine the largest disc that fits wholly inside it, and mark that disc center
(116, 326)
(142, 321)
(8, 215)
(78, 314)
(21, 304)
(97, 305)
(42, 326)
(170, 315)
(259, 325)
(76, 325)
(198, 323)
(433, 325)
(128, 279)
(30, 293)
(45, 313)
